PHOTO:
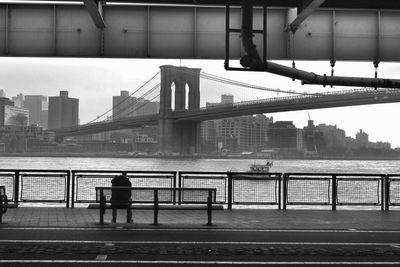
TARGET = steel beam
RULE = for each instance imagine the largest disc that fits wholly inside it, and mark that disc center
(96, 12)
(306, 11)
(193, 32)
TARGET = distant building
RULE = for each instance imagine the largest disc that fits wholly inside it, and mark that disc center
(362, 139)
(24, 138)
(38, 109)
(2, 93)
(334, 137)
(18, 100)
(125, 106)
(11, 115)
(284, 135)
(226, 99)
(63, 111)
(146, 107)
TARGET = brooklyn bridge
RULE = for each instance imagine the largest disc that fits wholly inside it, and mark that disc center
(180, 112)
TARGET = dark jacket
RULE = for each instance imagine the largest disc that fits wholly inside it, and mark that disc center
(120, 196)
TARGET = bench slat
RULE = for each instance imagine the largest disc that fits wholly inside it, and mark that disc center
(163, 207)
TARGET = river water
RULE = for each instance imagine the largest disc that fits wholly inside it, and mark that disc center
(192, 164)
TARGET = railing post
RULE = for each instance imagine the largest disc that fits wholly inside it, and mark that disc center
(383, 192)
(156, 206)
(180, 186)
(209, 208)
(73, 190)
(334, 191)
(284, 195)
(68, 187)
(16, 187)
(230, 189)
(387, 191)
(279, 191)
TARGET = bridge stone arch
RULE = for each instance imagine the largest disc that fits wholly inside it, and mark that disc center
(179, 137)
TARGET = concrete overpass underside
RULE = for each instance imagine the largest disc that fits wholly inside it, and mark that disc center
(343, 30)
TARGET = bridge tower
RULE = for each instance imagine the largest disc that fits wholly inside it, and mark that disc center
(175, 136)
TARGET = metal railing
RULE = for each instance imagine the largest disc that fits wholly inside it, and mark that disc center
(392, 190)
(37, 185)
(334, 189)
(233, 188)
(237, 188)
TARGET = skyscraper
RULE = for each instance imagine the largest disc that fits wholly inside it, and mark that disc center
(63, 111)
(18, 100)
(37, 105)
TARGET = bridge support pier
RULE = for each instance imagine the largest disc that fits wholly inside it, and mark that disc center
(179, 137)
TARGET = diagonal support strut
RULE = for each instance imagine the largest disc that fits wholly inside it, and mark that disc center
(96, 12)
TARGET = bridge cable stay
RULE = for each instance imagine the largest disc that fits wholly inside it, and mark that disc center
(220, 79)
(120, 103)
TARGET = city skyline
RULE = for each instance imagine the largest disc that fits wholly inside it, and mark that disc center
(84, 78)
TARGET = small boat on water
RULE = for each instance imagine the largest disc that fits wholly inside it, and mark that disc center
(260, 168)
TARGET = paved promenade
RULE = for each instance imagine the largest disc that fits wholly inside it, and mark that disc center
(33, 236)
(236, 218)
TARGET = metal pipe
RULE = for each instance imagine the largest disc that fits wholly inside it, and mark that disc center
(252, 59)
(312, 78)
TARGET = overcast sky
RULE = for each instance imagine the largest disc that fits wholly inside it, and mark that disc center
(95, 81)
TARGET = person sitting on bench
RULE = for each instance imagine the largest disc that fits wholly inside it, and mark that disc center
(121, 197)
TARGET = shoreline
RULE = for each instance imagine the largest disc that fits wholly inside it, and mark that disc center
(102, 155)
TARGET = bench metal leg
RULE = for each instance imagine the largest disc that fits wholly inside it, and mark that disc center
(209, 209)
(102, 208)
(155, 207)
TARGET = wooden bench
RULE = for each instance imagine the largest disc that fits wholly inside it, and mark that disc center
(160, 198)
(4, 205)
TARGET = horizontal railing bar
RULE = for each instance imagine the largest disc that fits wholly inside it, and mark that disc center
(205, 172)
(309, 178)
(150, 176)
(359, 179)
(335, 174)
(255, 203)
(116, 171)
(31, 170)
(259, 179)
(357, 204)
(42, 175)
(205, 177)
(308, 203)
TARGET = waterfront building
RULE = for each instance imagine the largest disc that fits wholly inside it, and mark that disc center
(362, 139)
(334, 137)
(146, 107)
(208, 136)
(226, 99)
(38, 109)
(236, 134)
(123, 106)
(11, 115)
(63, 111)
(24, 138)
(285, 136)
(313, 139)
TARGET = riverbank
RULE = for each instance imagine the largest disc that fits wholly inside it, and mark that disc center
(120, 155)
